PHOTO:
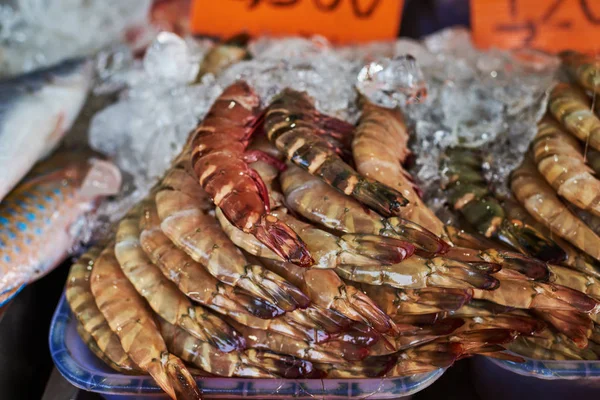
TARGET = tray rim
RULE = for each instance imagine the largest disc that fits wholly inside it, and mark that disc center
(551, 369)
(84, 378)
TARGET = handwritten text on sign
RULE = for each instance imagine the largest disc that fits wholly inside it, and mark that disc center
(551, 25)
(339, 20)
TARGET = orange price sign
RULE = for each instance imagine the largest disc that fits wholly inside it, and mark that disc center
(338, 20)
(551, 25)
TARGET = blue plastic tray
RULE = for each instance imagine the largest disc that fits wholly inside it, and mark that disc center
(85, 371)
(548, 380)
(571, 370)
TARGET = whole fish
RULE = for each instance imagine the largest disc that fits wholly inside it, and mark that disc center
(41, 218)
(36, 110)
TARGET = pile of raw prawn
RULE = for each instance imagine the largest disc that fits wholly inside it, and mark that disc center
(287, 243)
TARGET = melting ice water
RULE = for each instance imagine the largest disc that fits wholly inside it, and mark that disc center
(488, 99)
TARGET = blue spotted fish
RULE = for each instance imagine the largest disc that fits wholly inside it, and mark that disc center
(40, 218)
(36, 110)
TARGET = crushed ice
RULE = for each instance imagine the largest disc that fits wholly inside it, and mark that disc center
(480, 99)
(487, 99)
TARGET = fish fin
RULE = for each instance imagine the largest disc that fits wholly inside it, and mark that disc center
(103, 179)
(10, 294)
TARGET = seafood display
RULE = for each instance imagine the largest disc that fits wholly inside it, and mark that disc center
(55, 96)
(278, 231)
(213, 268)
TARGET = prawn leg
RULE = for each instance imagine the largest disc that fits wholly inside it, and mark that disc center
(249, 363)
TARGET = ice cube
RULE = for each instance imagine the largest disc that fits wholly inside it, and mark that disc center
(390, 82)
(168, 58)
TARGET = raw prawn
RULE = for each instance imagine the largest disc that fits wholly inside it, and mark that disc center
(249, 363)
(301, 145)
(379, 148)
(90, 342)
(469, 194)
(163, 296)
(417, 273)
(515, 291)
(320, 203)
(540, 200)
(397, 303)
(83, 305)
(220, 162)
(575, 259)
(585, 69)
(223, 55)
(185, 223)
(559, 158)
(128, 316)
(573, 109)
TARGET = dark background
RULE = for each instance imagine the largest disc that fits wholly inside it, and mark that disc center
(25, 363)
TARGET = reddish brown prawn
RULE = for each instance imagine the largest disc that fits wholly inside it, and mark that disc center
(220, 160)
